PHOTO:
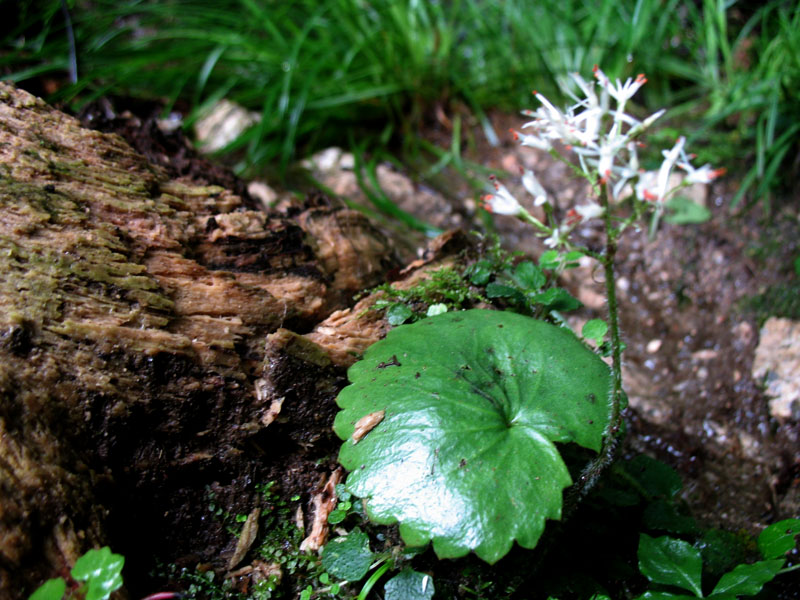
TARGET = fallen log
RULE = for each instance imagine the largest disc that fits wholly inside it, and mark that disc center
(134, 310)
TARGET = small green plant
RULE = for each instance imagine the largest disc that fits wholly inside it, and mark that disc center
(278, 542)
(95, 576)
(348, 558)
(445, 290)
(520, 286)
(673, 564)
(456, 440)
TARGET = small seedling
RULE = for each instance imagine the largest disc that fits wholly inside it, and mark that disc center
(348, 558)
(96, 575)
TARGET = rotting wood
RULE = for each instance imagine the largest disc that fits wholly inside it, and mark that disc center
(131, 300)
(134, 371)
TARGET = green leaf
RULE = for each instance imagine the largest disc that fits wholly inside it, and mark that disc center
(436, 309)
(595, 329)
(409, 585)
(557, 299)
(101, 570)
(655, 477)
(348, 557)
(664, 596)
(528, 276)
(499, 290)
(464, 453)
(479, 273)
(337, 516)
(683, 211)
(671, 562)
(52, 589)
(549, 260)
(747, 580)
(397, 314)
(779, 538)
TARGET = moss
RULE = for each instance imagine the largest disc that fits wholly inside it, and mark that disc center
(781, 300)
(53, 259)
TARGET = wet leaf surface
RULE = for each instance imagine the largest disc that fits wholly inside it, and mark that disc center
(473, 404)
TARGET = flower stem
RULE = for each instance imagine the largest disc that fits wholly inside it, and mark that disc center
(615, 421)
(593, 470)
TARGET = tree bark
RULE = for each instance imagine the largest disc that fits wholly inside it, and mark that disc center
(134, 311)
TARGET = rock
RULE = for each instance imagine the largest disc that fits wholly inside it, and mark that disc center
(777, 363)
(335, 169)
(223, 123)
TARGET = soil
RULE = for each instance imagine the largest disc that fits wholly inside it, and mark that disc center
(690, 344)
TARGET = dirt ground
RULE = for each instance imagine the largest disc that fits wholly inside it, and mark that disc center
(690, 343)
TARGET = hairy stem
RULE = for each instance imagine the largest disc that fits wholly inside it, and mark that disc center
(593, 470)
(610, 440)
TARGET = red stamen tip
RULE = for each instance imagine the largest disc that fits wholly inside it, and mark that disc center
(573, 217)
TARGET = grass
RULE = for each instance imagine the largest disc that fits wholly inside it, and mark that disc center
(319, 70)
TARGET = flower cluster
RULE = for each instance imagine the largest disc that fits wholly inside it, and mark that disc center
(605, 141)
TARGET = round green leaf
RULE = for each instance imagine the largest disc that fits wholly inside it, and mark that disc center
(409, 585)
(348, 557)
(595, 329)
(52, 589)
(101, 570)
(397, 314)
(465, 409)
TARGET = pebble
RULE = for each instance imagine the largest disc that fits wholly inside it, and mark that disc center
(653, 346)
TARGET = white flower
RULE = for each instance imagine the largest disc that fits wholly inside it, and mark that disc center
(533, 141)
(646, 185)
(601, 77)
(554, 113)
(622, 92)
(558, 236)
(659, 192)
(607, 154)
(625, 173)
(534, 188)
(704, 174)
(587, 88)
(652, 118)
(502, 202)
(589, 211)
